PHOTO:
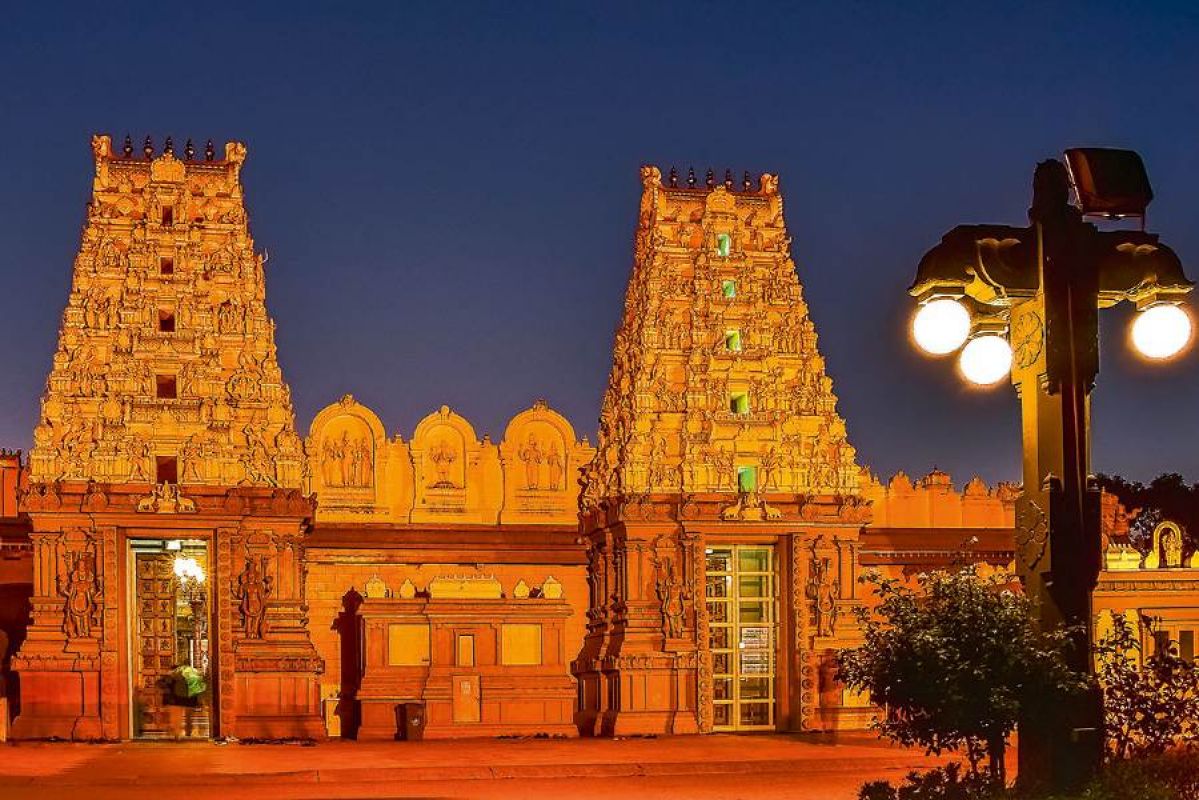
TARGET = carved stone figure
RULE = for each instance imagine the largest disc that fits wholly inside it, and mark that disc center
(670, 596)
(257, 460)
(530, 453)
(553, 461)
(165, 498)
(140, 453)
(443, 456)
(79, 588)
(822, 590)
(1171, 547)
(252, 590)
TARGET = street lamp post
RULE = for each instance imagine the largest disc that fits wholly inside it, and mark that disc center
(1026, 300)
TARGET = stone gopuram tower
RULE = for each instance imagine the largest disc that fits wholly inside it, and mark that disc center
(166, 425)
(722, 511)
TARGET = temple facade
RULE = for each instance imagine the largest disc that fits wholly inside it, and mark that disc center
(176, 561)
(166, 436)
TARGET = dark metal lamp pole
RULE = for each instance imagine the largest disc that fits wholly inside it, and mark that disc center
(1041, 287)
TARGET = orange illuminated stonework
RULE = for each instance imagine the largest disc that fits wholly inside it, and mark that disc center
(364, 584)
(432, 558)
(166, 419)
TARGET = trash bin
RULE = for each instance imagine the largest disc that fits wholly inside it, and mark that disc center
(413, 716)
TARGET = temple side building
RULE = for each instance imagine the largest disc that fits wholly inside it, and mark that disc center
(444, 573)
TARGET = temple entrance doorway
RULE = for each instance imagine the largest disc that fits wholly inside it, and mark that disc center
(170, 647)
(743, 630)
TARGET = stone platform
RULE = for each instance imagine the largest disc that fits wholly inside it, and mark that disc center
(759, 766)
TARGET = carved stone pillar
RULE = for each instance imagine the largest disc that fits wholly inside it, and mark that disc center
(641, 664)
(275, 690)
(59, 662)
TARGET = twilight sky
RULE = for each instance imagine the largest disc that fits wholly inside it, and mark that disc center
(448, 191)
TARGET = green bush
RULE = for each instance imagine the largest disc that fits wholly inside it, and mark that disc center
(952, 661)
(1169, 776)
(943, 783)
(1151, 707)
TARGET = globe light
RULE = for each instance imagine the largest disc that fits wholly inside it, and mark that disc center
(941, 326)
(1161, 331)
(986, 360)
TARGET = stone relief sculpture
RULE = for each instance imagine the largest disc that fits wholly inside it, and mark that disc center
(1166, 548)
(1172, 547)
(347, 462)
(532, 457)
(670, 595)
(80, 589)
(165, 498)
(252, 589)
(443, 456)
(823, 590)
(553, 462)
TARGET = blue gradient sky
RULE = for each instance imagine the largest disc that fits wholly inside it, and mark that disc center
(448, 192)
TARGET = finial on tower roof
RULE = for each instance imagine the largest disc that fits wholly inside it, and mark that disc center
(148, 147)
(745, 182)
(169, 146)
(128, 149)
(674, 177)
(691, 177)
(209, 151)
(189, 151)
(728, 179)
(710, 178)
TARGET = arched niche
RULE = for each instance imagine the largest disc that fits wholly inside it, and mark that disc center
(541, 460)
(1168, 542)
(537, 450)
(444, 451)
(344, 444)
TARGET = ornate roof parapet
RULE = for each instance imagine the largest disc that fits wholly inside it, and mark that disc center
(934, 502)
(444, 472)
(767, 183)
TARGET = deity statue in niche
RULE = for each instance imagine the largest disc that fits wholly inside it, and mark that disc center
(360, 462)
(332, 456)
(670, 596)
(347, 461)
(822, 591)
(442, 456)
(553, 461)
(1171, 547)
(253, 588)
(530, 453)
(79, 588)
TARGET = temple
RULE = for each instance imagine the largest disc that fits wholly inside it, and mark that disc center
(176, 561)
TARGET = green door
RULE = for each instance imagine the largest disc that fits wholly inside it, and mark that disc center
(743, 629)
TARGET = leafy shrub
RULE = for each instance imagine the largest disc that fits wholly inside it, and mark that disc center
(943, 783)
(1151, 708)
(953, 661)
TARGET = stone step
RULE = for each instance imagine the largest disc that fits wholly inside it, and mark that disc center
(381, 775)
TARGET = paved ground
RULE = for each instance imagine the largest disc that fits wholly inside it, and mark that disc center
(759, 767)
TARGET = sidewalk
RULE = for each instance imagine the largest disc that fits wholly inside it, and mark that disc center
(719, 766)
